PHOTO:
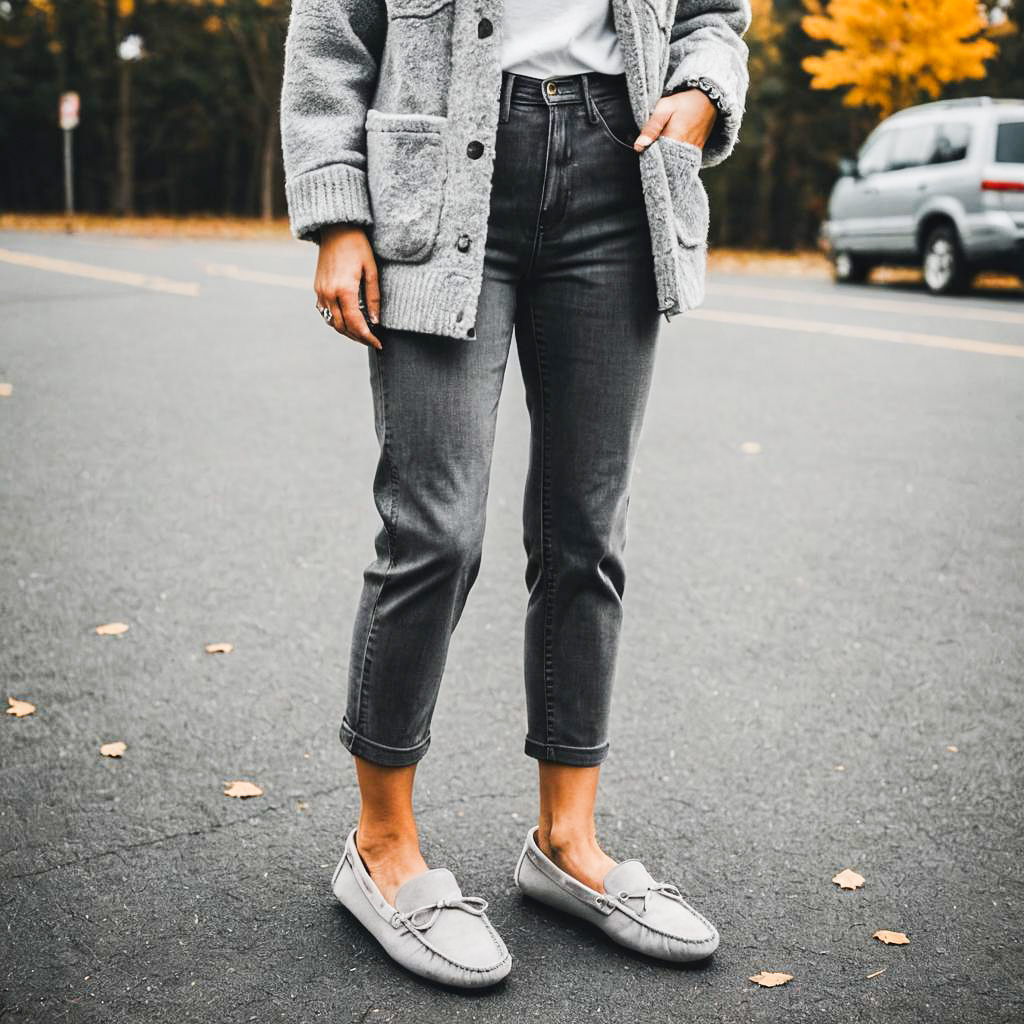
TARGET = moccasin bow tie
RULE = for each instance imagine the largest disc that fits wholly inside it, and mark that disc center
(665, 888)
(475, 905)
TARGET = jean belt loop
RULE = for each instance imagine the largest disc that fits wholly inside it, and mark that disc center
(588, 99)
(507, 81)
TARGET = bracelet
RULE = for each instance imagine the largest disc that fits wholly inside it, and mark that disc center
(709, 89)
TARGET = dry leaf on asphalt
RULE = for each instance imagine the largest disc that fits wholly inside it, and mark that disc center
(20, 708)
(769, 979)
(847, 879)
(953, 750)
(5, 389)
(891, 938)
(219, 648)
(243, 789)
(112, 629)
(751, 447)
(113, 749)
(875, 974)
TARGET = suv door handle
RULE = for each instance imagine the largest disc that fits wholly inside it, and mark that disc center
(922, 186)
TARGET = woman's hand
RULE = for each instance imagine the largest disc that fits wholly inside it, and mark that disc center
(686, 116)
(346, 260)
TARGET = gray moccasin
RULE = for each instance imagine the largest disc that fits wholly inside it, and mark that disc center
(432, 929)
(634, 910)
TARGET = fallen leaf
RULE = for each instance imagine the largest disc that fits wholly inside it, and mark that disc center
(113, 749)
(839, 767)
(20, 708)
(5, 389)
(751, 448)
(219, 648)
(769, 979)
(242, 789)
(112, 629)
(875, 974)
(848, 879)
(891, 938)
(953, 750)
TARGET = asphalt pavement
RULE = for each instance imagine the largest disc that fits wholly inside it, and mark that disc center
(821, 668)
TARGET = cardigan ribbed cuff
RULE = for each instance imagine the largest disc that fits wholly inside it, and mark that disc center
(726, 82)
(335, 194)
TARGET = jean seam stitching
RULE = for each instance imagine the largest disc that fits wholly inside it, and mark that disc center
(545, 523)
(538, 231)
(391, 532)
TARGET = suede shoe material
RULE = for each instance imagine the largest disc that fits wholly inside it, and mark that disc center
(433, 930)
(635, 910)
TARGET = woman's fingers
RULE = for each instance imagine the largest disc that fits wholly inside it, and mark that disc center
(372, 287)
(356, 326)
(653, 127)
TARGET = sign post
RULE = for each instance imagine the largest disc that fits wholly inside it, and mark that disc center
(68, 122)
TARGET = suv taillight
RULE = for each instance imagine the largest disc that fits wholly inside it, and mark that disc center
(1002, 186)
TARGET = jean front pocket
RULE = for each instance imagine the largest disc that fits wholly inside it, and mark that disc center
(689, 197)
(406, 171)
(616, 121)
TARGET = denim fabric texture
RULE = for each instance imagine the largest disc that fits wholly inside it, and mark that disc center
(568, 269)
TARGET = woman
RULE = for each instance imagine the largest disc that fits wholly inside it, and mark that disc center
(469, 168)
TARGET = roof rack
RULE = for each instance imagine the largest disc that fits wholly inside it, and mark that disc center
(966, 101)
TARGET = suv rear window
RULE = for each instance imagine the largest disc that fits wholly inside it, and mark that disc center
(1010, 143)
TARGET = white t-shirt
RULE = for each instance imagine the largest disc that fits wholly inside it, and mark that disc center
(544, 38)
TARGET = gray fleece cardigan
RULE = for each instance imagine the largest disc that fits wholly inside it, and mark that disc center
(389, 113)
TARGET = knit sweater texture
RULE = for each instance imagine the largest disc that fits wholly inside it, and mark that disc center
(389, 114)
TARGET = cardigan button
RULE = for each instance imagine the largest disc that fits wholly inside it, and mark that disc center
(475, 150)
(484, 28)
(463, 243)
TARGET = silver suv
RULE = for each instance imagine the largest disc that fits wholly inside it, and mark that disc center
(941, 186)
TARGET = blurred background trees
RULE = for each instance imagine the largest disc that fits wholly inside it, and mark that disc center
(179, 101)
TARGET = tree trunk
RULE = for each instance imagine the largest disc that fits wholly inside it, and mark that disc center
(269, 166)
(125, 154)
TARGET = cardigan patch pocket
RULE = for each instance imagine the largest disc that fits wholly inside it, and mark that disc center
(405, 173)
(689, 197)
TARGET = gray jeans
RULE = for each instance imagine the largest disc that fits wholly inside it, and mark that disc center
(569, 267)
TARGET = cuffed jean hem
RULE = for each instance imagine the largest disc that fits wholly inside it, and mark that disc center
(378, 753)
(579, 756)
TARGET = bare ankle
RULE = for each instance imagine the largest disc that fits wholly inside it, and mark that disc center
(564, 839)
(376, 841)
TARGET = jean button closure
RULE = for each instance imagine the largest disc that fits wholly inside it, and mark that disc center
(552, 89)
(463, 243)
(475, 150)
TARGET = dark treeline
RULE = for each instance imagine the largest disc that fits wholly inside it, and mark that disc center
(191, 126)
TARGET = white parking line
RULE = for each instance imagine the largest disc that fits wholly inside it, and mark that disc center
(258, 276)
(75, 269)
(918, 306)
(858, 331)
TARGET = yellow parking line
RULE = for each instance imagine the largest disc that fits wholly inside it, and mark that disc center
(922, 307)
(259, 276)
(76, 269)
(858, 331)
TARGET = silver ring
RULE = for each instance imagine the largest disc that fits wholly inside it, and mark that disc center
(325, 312)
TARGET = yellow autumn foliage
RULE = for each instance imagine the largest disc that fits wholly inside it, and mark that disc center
(893, 53)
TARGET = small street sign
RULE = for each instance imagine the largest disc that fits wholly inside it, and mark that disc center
(68, 110)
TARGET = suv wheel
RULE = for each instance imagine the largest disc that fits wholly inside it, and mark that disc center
(943, 264)
(849, 269)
